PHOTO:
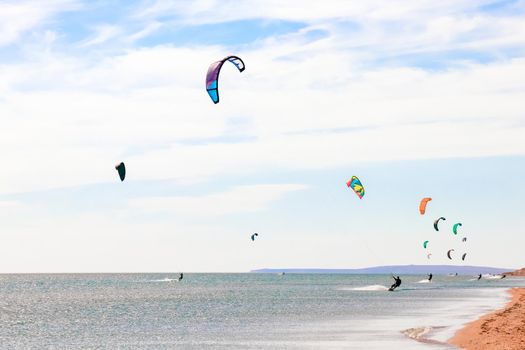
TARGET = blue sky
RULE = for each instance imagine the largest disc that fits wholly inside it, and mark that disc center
(416, 98)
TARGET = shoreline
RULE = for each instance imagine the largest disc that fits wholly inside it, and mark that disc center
(500, 329)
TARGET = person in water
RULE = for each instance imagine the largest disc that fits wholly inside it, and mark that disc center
(502, 277)
(430, 277)
(479, 277)
(396, 284)
(181, 276)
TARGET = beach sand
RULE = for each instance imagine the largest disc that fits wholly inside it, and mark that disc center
(502, 330)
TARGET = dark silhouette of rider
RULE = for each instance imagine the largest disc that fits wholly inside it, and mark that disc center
(430, 277)
(396, 284)
(479, 277)
(181, 276)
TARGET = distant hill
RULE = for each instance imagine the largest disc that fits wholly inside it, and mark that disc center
(399, 269)
(520, 272)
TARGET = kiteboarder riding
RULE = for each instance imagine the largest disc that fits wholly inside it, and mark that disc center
(479, 277)
(430, 277)
(181, 276)
(396, 284)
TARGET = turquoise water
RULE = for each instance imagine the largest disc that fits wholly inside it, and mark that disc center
(236, 311)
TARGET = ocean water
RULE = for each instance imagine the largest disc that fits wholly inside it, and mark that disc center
(239, 311)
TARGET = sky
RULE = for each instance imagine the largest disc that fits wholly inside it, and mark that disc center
(417, 98)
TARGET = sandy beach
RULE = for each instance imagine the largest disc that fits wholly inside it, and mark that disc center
(502, 330)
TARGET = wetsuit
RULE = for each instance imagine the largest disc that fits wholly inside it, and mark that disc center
(181, 276)
(479, 277)
(430, 277)
(396, 284)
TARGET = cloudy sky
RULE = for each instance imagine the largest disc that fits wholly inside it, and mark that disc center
(418, 98)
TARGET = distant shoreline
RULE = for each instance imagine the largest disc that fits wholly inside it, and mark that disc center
(397, 269)
(504, 328)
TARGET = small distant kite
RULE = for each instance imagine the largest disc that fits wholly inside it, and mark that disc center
(425, 244)
(437, 222)
(449, 252)
(464, 239)
(212, 77)
(423, 205)
(429, 255)
(455, 227)
(355, 184)
(463, 256)
(254, 235)
(121, 168)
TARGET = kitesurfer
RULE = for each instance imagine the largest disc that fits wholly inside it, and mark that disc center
(396, 284)
(181, 276)
(430, 277)
(502, 277)
(479, 277)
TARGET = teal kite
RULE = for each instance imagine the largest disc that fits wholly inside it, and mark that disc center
(455, 228)
(121, 168)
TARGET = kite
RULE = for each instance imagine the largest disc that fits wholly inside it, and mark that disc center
(357, 186)
(437, 222)
(212, 77)
(455, 228)
(121, 168)
(423, 205)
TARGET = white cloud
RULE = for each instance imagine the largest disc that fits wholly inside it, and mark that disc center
(240, 199)
(215, 11)
(69, 120)
(10, 208)
(146, 31)
(103, 33)
(372, 28)
(18, 17)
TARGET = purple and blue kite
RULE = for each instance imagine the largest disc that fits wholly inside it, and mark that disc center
(212, 77)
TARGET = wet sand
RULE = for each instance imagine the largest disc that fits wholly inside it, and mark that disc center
(502, 330)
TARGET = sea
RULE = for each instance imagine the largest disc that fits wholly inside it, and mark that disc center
(240, 311)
